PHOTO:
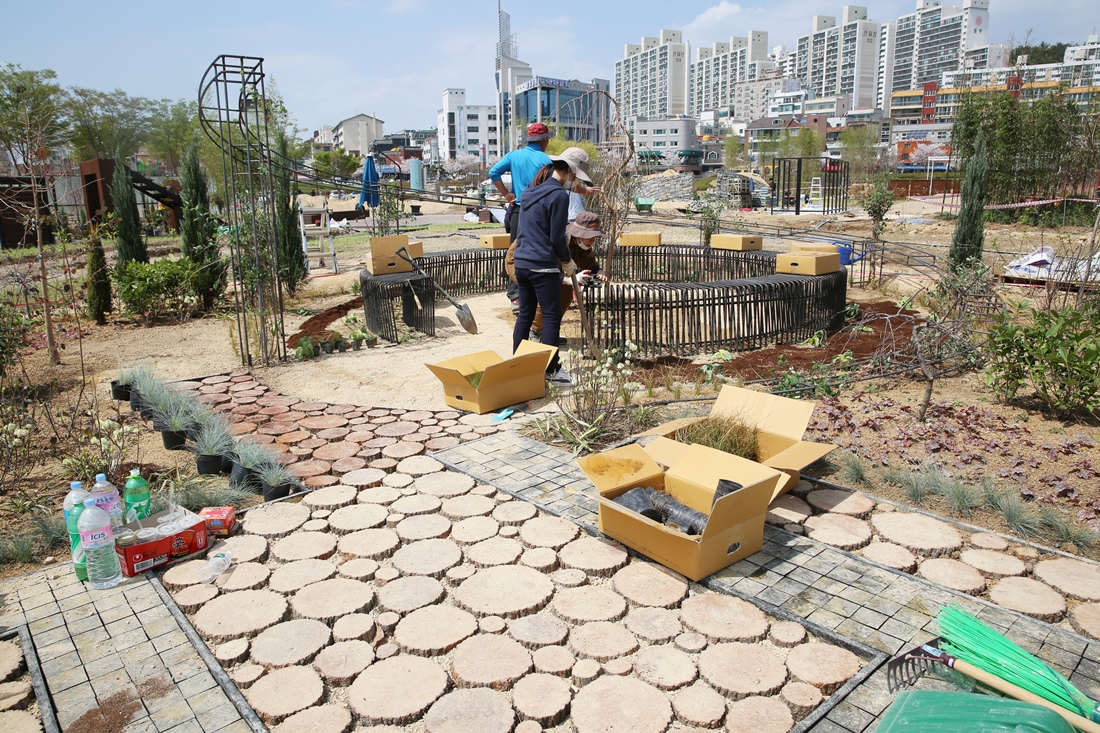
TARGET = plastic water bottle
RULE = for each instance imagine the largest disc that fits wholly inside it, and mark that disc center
(106, 498)
(98, 540)
(74, 507)
(136, 497)
(215, 566)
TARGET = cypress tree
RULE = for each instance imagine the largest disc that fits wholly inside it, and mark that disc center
(128, 237)
(199, 229)
(969, 238)
(99, 282)
(288, 238)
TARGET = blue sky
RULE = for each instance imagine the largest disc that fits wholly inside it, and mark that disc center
(392, 58)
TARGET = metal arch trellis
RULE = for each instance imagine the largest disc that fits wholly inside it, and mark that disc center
(234, 114)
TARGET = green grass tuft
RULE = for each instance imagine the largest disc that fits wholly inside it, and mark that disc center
(853, 470)
(724, 433)
(50, 530)
(1057, 530)
(1019, 518)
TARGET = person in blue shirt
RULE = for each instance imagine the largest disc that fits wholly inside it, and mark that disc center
(524, 164)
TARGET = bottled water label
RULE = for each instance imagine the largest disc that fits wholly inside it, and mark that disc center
(94, 539)
(108, 501)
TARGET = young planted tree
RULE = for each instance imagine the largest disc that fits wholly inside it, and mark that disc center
(32, 122)
(99, 281)
(293, 268)
(969, 238)
(128, 239)
(199, 229)
(877, 205)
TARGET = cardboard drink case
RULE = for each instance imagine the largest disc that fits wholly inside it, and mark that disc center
(220, 520)
(640, 239)
(503, 382)
(495, 241)
(384, 259)
(690, 474)
(142, 556)
(808, 263)
(827, 247)
(740, 242)
(780, 424)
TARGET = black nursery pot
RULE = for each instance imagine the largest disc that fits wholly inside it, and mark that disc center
(227, 464)
(120, 392)
(271, 493)
(243, 478)
(173, 439)
(208, 465)
(136, 403)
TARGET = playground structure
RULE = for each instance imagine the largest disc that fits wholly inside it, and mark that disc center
(818, 185)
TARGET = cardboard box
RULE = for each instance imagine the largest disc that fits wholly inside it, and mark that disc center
(690, 473)
(813, 247)
(780, 422)
(220, 520)
(640, 239)
(138, 558)
(503, 381)
(808, 263)
(740, 242)
(495, 241)
(383, 258)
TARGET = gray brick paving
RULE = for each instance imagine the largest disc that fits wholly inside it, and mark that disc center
(95, 644)
(881, 608)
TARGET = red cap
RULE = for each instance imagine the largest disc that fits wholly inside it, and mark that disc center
(537, 131)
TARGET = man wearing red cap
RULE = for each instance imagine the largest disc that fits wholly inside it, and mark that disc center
(523, 163)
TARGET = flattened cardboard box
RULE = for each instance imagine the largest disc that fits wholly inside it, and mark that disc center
(740, 242)
(808, 263)
(827, 247)
(640, 239)
(495, 241)
(690, 473)
(780, 424)
(503, 381)
(384, 259)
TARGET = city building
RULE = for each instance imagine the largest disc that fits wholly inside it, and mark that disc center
(836, 106)
(510, 74)
(466, 129)
(884, 73)
(717, 70)
(355, 134)
(935, 39)
(844, 59)
(763, 136)
(1080, 67)
(566, 104)
(652, 80)
(788, 103)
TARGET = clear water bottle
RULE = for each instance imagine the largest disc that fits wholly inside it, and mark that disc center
(98, 540)
(107, 498)
(74, 507)
(136, 497)
(215, 566)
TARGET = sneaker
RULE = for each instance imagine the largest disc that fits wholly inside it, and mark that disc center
(560, 377)
(515, 307)
(535, 336)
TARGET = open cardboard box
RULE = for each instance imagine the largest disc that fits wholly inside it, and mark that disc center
(503, 382)
(690, 474)
(780, 421)
(384, 260)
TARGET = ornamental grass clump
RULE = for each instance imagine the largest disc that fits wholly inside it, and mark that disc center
(726, 433)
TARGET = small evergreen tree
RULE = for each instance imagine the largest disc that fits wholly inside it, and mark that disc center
(199, 231)
(99, 281)
(131, 245)
(969, 238)
(877, 205)
(293, 268)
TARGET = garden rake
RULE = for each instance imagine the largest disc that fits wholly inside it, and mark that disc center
(909, 667)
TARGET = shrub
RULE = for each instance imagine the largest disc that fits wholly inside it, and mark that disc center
(99, 282)
(158, 289)
(1054, 352)
(722, 432)
(13, 330)
(877, 204)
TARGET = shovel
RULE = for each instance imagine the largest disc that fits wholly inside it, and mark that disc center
(462, 311)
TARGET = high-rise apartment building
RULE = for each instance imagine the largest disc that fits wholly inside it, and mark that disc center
(466, 129)
(841, 59)
(652, 79)
(934, 39)
(884, 73)
(510, 74)
(717, 70)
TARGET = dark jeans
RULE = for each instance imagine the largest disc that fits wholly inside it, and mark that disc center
(513, 230)
(539, 289)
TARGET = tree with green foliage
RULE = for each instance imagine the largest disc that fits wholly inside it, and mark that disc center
(335, 163)
(172, 126)
(293, 268)
(1041, 53)
(128, 239)
(98, 281)
(860, 149)
(877, 204)
(734, 155)
(33, 122)
(107, 124)
(199, 230)
(969, 238)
